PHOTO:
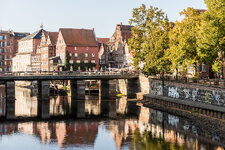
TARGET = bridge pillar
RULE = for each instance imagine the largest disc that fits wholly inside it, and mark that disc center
(108, 89)
(10, 109)
(128, 87)
(44, 108)
(132, 88)
(10, 99)
(77, 88)
(43, 89)
(10, 90)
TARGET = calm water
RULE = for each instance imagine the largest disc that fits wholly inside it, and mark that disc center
(65, 123)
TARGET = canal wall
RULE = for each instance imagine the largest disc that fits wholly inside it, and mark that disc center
(188, 92)
(203, 99)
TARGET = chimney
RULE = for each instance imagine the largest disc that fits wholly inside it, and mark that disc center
(121, 23)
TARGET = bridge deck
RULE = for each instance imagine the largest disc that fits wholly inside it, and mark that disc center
(77, 76)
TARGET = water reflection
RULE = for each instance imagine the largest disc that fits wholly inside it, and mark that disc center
(94, 123)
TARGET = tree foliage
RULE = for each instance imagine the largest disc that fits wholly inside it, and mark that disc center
(183, 41)
(211, 37)
(67, 62)
(150, 39)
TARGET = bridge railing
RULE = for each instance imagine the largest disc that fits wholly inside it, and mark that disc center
(67, 73)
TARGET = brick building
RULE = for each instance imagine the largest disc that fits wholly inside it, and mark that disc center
(48, 50)
(80, 44)
(115, 53)
(104, 53)
(28, 56)
(8, 48)
(119, 46)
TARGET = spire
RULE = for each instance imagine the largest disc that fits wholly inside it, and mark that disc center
(41, 26)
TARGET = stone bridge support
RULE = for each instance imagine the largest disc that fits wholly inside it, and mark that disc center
(43, 99)
(107, 89)
(44, 108)
(77, 88)
(43, 90)
(10, 99)
(128, 87)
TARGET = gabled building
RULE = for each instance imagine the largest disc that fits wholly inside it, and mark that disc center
(104, 53)
(28, 56)
(8, 48)
(48, 50)
(81, 46)
(118, 44)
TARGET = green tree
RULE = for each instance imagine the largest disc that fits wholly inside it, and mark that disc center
(183, 41)
(150, 40)
(211, 37)
(67, 62)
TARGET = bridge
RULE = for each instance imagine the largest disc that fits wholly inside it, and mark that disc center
(110, 84)
(66, 76)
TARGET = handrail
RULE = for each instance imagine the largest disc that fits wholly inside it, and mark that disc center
(67, 73)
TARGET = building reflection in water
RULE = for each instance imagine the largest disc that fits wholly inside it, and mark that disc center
(129, 126)
(2, 100)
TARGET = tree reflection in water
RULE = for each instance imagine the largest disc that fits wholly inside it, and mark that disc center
(147, 141)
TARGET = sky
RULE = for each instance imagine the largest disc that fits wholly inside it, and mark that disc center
(102, 15)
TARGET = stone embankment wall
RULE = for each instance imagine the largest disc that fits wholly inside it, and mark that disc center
(191, 92)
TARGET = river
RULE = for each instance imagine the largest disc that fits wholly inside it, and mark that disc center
(94, 123)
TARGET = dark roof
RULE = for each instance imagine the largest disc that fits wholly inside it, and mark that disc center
(35, 35)
(103, 40)
(53, 37)
(78, 37)
(201, 10)
(124, 27)
(21, 34)
(16, 34)
(125, 31)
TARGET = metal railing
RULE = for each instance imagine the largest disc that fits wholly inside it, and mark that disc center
(67, 73)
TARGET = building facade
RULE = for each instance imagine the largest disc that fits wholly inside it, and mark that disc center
(122, 56)
(115, 53)
(8, 48)
(48, 50)
(104, 53)
(28, 48)
(80, 45)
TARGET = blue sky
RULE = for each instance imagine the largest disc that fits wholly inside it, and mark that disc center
(103, 15)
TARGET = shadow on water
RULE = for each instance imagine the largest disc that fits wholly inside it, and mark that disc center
(62, 122)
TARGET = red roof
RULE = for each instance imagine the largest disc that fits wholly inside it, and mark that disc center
(53, 37)
(78, 37)
(103, 40)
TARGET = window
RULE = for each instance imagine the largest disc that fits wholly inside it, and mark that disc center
(93, 55)
(87, 48)
(70, 54)
(75, 54)
(93, 61)
(75, 48)
(78, 61)
(203, 67)
(86, 54)
(85, 61)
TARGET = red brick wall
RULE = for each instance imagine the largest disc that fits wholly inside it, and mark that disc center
(84, 50)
